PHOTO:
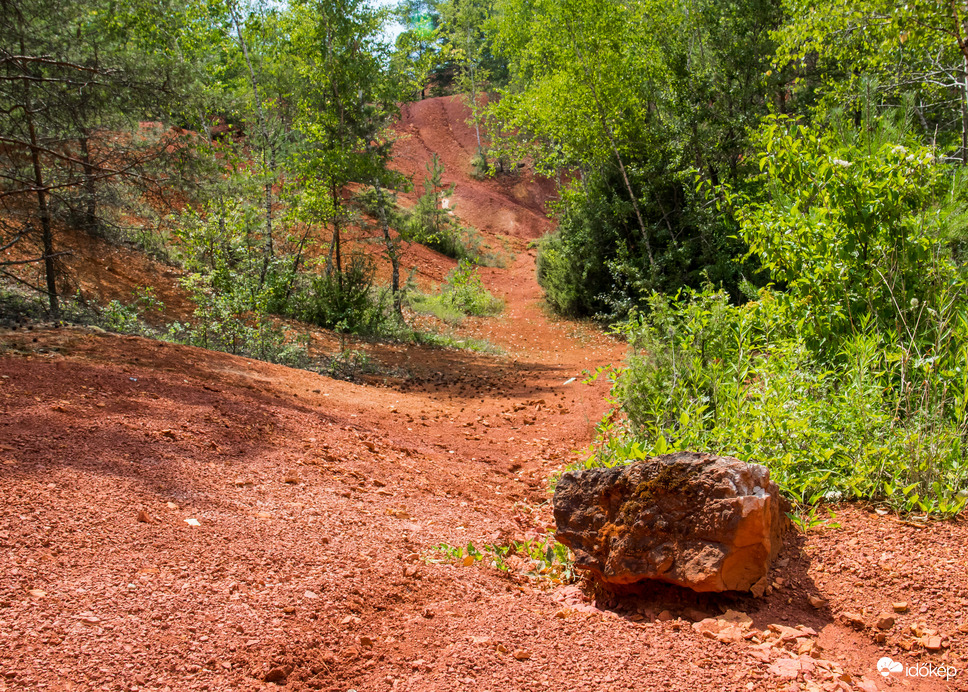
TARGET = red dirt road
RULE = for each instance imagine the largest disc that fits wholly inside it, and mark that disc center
(318, 504)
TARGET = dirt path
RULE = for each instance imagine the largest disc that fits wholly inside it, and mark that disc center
(318, 504)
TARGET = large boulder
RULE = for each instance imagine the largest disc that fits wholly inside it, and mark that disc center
(702, 521)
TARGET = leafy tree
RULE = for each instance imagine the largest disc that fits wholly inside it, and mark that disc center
(469, 46)
(75, 81)
(418, 49)
(343, 115)
(850, 52)
(630, 104)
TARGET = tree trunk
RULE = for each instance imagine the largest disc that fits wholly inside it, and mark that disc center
(392, 250)
(47, 236)
(611, 140)
(90, 186)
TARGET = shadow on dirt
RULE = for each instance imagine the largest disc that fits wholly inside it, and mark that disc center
(788, 600)
(134, 420)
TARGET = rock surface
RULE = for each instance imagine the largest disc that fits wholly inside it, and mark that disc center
(701, 521)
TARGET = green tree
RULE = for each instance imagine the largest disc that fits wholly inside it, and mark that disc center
(631, 103)
(75, 82)
(344, 112)
(915, 53)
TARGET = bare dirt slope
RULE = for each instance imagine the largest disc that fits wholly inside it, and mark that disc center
(316, 505)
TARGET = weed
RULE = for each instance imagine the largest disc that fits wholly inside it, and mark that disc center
(541, 560)
(807, 518)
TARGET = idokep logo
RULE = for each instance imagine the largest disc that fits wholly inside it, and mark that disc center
(886, 666)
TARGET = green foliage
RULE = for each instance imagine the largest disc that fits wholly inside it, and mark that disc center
(846, 54)
(129, 318)
(233, 295)
(461, 294)
(632, 103)
(346, 301)
(849, 382)
(541, 560)
(435, 304)
(742, 381)
(464, 291)
(849, 224)
(810, 519)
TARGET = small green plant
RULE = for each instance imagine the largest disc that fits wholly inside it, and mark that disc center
(542, 560)
(346, 301)
(349, 363)
(464, 290)
(129, 318)
(807, 519)
(119, 317)
(461, 294)
(435, 304)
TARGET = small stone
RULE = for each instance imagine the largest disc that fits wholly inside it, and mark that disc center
(817, 602)
(278, 674)
(522, 654)
(806, 647)
(853, 620)
(310, 595)
(695, 615)
(786, 668)
(563, 613)
(933, 643)
(761, 587)
(900, 607)
(761, 652)
(880, 637)
(427, 613)
(664, 616)
(171, 505)
(885, 621)
(500, 648)
(144, 517)
(366, 642)
(37, 593)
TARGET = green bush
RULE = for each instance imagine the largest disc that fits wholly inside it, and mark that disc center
(880, 423)
(849, 379)
(347, 301)
(464, 291)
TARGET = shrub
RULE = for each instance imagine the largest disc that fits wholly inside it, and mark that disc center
(464, 290)
(848, 383)
(347, 301)
(707, 375)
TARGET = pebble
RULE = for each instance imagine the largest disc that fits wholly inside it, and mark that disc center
(853, 620)
(885, 621)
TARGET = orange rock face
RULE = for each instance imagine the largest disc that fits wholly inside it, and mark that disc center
(702, 521)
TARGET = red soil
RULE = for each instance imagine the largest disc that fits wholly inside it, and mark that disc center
(318, 503)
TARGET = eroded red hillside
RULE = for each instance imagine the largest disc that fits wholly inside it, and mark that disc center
(317, 505)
